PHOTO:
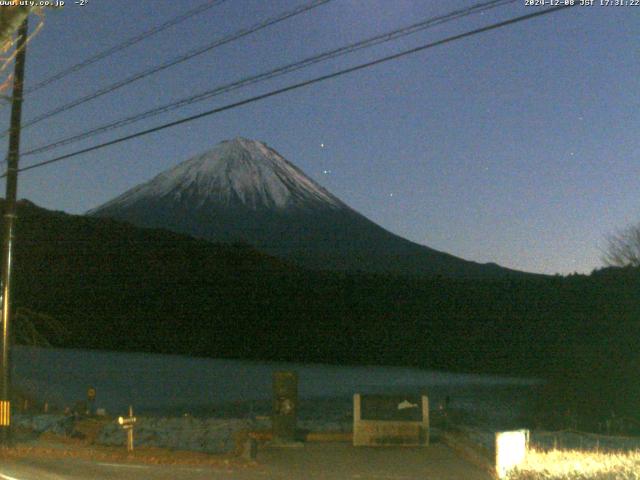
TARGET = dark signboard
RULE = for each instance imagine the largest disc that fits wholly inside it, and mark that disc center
(396, 408)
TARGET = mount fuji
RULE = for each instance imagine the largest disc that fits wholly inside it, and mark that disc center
(244, 191)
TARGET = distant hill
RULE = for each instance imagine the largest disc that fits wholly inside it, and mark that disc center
(243, 190)
(118, 286)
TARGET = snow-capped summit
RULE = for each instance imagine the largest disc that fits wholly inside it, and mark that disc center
(236, 173)
(244, 191)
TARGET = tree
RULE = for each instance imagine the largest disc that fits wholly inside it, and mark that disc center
(623, 248)
(11, 16)
(38, 329)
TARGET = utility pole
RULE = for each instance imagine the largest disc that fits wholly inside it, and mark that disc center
(9, 220)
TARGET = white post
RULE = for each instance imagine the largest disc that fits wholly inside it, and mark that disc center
(130, 432)
(511, 450)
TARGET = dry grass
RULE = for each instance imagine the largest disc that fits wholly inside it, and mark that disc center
(55, 447)
(578, 465)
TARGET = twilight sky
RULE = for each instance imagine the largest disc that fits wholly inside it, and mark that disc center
(518, 146)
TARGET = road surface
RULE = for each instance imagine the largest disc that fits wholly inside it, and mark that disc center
(313, 461)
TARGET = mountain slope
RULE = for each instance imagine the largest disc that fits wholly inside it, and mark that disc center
(242, 190)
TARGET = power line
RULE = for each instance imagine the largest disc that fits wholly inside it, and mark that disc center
(328, 55)
(126, 44)
(175, 61)
(298, 85)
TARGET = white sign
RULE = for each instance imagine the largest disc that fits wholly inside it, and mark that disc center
(511, 450)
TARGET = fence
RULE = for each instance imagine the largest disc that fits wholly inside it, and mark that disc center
(499, 451)
(571, 439)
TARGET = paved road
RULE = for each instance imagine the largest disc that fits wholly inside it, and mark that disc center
(313, 461)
